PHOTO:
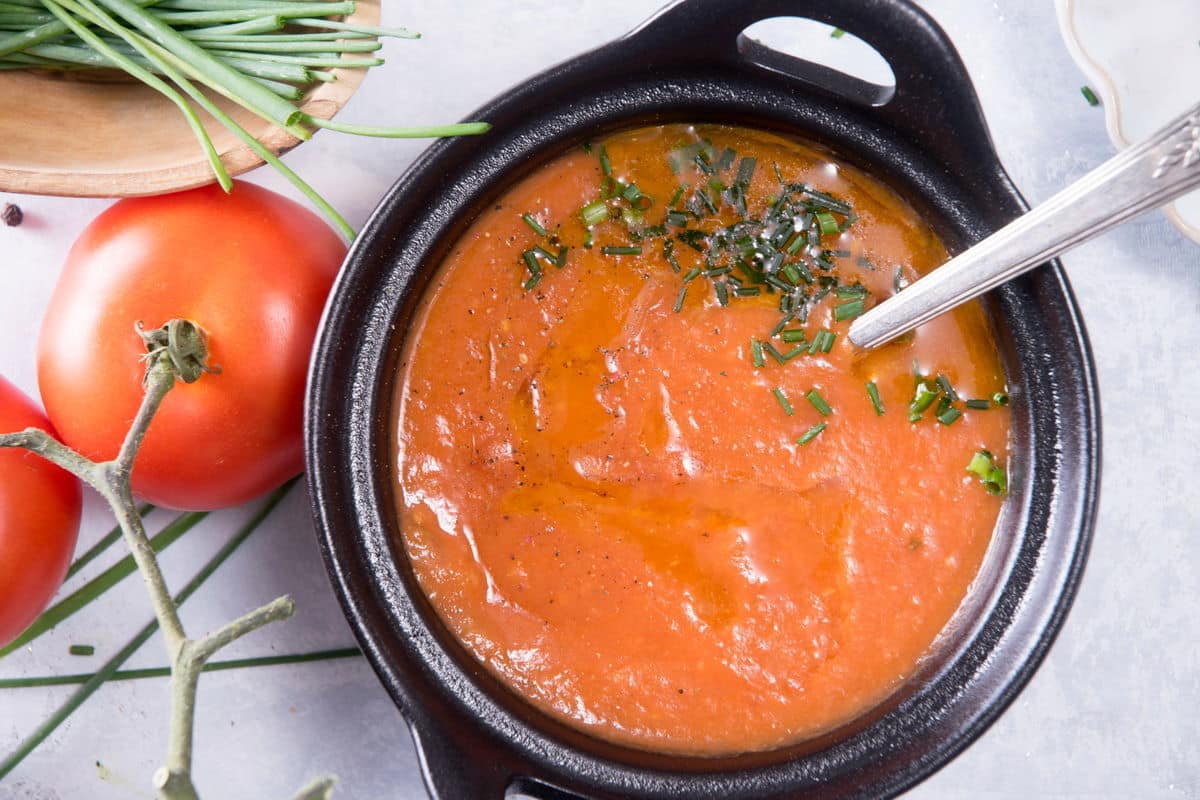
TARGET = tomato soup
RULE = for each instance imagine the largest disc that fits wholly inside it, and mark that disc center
(644, 477)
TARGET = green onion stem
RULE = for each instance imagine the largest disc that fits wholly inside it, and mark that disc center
(461, 129)
(371, 30)
(113, 664)
(313, 60)
(42, 33)
(253, 45)
(173, 63)
(105, 542)
(242, 13)
(164, 672)
(151, 80)
(250, 26)
(220, 37)
(216, 74)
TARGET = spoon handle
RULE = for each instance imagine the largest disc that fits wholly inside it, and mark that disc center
(1140, 178)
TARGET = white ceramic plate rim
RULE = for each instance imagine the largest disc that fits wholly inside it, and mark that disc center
(1110, 99)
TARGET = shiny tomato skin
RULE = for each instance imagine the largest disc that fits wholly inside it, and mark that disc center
(253, 269)
(40, 506)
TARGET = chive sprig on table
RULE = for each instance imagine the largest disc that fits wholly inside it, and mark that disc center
(264, 55)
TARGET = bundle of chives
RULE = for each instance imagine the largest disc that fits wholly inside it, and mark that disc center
(262, 54)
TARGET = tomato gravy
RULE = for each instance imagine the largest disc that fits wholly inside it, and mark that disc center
(616, 501)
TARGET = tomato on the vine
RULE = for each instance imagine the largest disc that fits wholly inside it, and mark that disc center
(39, 520)
(252, 269)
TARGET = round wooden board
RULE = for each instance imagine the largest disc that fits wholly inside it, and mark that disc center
(86, 138)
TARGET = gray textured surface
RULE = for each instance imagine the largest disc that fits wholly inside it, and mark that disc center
(1112, 713)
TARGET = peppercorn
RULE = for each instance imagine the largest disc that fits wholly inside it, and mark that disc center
(12, 215)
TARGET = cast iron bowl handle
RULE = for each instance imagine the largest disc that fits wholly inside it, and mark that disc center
(932, 95)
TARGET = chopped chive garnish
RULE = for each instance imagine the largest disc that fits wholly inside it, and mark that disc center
(819, 403)
(605, 164)
(949, 416)
(531, 262)
(594, 213)
(693, 239)
(621, 250)
(836, 33)
(812, 433)
(588, 240)
(747, 291)
(746, 170)
(846, 254)
(854, 290)
(1000, 399)
(726, 159)
(827, 223)
(794, 335)
(979, 405)
(532, 282)
(717, 272)
(679, 299)
(692, 274)
(675, 197)
(545, 255)
(783, 401)
(775, 354)
(1089, 95)
(756, 353)
(848, 310)
(827, 343)
(817, 341)
(876, 401)
(632, 193)
(677, 219)
(532, 222)
(983, 464)
(560, 260)
(943, 383)
(81, 650)
(922, 400)
(669, 255)
(791, 273)
(722, 292)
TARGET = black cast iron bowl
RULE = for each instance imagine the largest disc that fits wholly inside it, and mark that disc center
(927, 139)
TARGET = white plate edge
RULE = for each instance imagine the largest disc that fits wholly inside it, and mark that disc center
(1110, 100)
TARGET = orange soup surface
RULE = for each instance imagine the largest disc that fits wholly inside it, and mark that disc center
(647, 506)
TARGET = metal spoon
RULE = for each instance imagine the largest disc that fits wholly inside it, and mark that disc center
(1141, 178)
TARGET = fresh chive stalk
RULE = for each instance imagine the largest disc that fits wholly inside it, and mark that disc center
(165, 672)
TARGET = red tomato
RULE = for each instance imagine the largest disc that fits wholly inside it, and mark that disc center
(251, 268)
(39, 520)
